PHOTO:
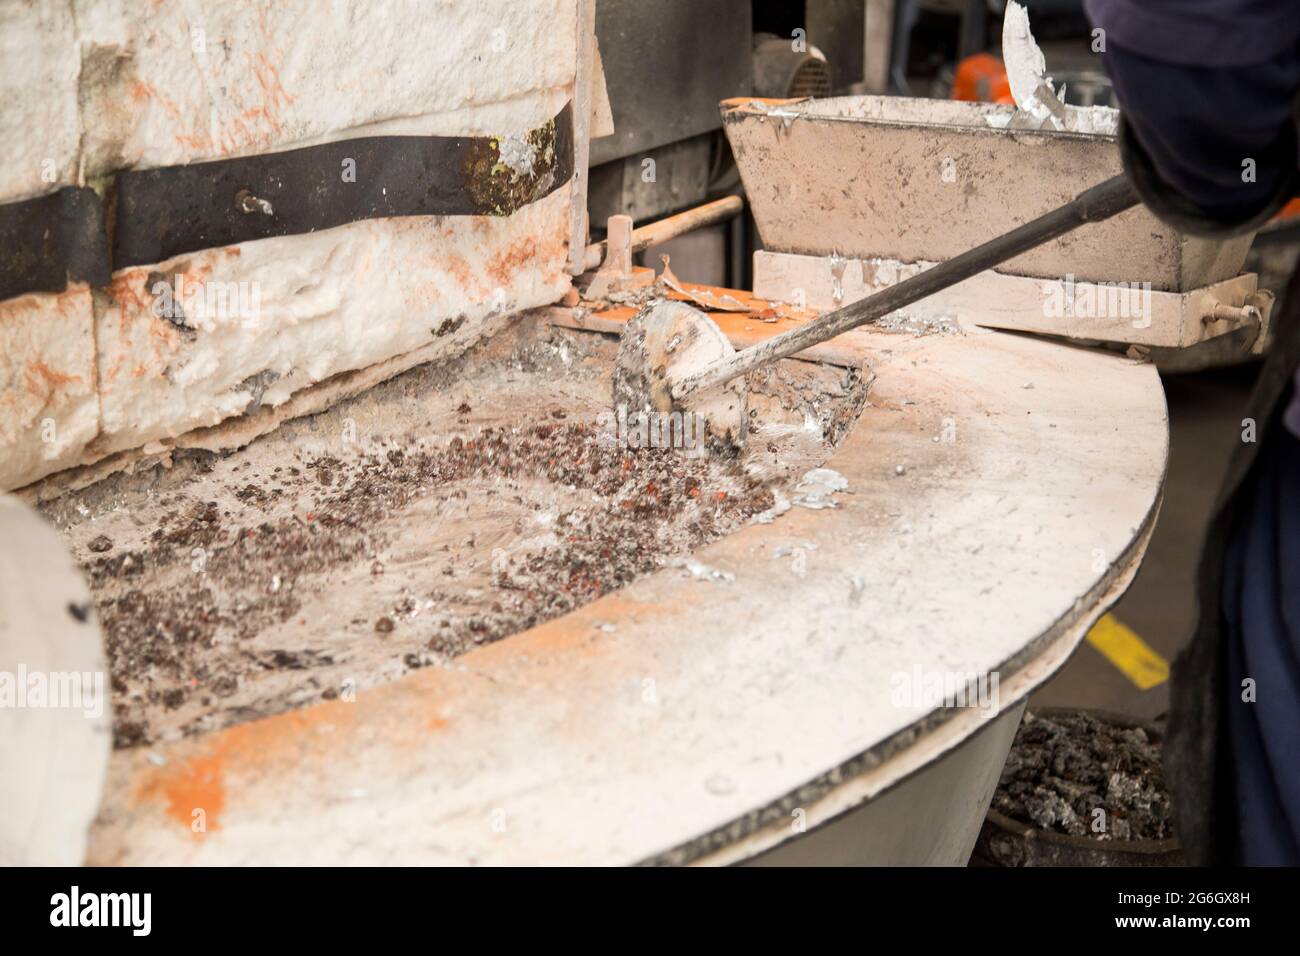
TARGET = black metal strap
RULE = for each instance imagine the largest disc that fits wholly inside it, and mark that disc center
(160, 213)
(165, 212)
(49, 241)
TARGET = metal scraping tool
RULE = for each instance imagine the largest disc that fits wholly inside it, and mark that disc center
(673, 358)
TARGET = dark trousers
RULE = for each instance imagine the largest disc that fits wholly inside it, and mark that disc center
(1232, 766)
(1261, 618)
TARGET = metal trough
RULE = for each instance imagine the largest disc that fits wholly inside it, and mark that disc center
(921, 180)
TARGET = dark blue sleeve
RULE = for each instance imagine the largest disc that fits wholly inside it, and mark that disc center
(1205, 33)
(1211, 146)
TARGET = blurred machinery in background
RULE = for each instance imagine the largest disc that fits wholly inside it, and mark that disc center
(668, 65)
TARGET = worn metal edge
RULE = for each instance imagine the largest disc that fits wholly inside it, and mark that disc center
(894, 760)
(738, 109)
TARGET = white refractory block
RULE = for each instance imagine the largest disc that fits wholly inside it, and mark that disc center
(49, 408)
(98, 86)
(299, 309)
(181, 82)
(39, 124)
(92, 86)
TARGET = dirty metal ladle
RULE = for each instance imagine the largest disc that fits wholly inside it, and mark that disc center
(673, 358)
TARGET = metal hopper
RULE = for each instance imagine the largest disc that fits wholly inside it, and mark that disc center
(923, 180)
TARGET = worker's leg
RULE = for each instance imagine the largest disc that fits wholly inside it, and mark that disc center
(1261, 604)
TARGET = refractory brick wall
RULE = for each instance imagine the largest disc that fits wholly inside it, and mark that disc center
(93, 87)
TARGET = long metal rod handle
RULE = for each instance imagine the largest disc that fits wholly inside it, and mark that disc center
(661, 230)
(1099, 203)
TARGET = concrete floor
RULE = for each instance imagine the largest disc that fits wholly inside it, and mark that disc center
(1205, 411)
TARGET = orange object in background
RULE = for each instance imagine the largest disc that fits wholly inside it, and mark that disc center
(1290, 211)
(981, 78)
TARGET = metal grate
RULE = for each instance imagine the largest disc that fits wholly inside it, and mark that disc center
(812, 78)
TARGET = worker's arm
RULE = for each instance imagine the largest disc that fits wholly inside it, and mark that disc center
(1208, 94)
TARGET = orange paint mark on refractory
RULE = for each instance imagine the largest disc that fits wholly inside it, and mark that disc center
(464, 276)
(574, 632)
(168, 104)
(512, 259)
(258, 113)
(194, 143)
(122, 289)
(268, 78)
(129, 290)
(212, 775)
(197, 793)
(42, 381)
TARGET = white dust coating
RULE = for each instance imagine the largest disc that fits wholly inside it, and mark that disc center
(816, 487)
(784, 113)
(780, 505)
(1025, 64)
(1101, 120)
(1027, 74)
(692, 568)
(518, 154)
